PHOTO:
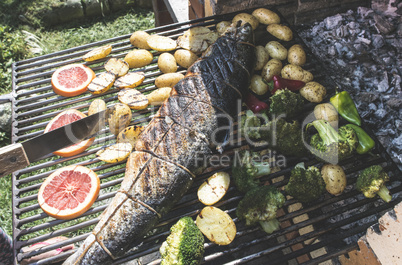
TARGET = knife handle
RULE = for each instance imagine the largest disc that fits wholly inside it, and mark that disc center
(12, 158)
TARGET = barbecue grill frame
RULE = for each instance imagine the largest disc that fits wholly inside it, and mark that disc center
(24, 76)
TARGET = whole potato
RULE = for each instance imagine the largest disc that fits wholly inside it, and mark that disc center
(139, 40)
(185, 58)
(326, 111)
(276, 50)
(313, 92)
(246, 18)
(138, 58)
(296, 55)
(222, 26)
(271, 68)
(262, 57)
(295, 72)
(258, 85)
(280, 31)
(168, 80)
(334, 178)
(167, 63)
(266, 16)
(119, 117)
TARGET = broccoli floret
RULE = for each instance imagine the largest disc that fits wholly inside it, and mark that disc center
(259, 205)
(285, 102)
(285, 137)
(371, 181)
(250, 125)
(330, 145)
(304, 184)
(184, 245)
(247, 167)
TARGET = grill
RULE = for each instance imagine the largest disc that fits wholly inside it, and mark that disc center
(309, 234)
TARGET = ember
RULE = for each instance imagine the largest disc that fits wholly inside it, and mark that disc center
(363, 51)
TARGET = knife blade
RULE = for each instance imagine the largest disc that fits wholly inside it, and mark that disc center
(20, 155)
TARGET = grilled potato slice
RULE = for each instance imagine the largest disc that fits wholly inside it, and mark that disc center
(139, 39)
(169, 79)
(214, 188)
(161, 43)
(197, 39)
(119, 117)
(130, 134)
(216, 225)
(129, 80)
(101, 83)
(159, 95)
(115, 153)
(96, 106)
(133, 98)
(117, 66)
(97, 53)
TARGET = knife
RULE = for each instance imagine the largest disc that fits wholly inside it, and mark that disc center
(19, 155)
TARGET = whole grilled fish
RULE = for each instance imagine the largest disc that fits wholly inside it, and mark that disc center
(174, 147)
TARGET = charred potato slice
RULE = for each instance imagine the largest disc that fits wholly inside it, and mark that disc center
(161, 43)
(101, 83)
(115, 153)
(167, 63)
(159, 95)
(214, 188)
(117, 67)
(185, 58)
(96, 106)
(216, 225)
(133, 98)
(97, 53)
(119, 117)
(197, 39)
(168, 80)
(139, 39)
(130, 134)
(129, 80)
(138, 58)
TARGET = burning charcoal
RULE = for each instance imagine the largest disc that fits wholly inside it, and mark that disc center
(399, 30)
(331, 50)
(398, 124)
(350, 55)
(398, 142)
(372, 106)
(383, 85)
(364, 12)
(358, 47)
(368, 96)
(333, 22)
(377, 41)
(382, 25)
(395, 103)
(380, 113)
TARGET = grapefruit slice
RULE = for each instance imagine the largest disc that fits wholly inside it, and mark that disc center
(63, 118)
(72, 80)
(69, 192)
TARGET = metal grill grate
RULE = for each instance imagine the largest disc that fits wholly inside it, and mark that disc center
(309, 233)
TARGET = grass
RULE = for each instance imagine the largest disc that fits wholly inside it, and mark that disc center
(29, 42)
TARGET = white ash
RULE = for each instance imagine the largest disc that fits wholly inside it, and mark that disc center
(362, 51)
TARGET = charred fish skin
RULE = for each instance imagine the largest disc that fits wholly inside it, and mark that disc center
(165, 162)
